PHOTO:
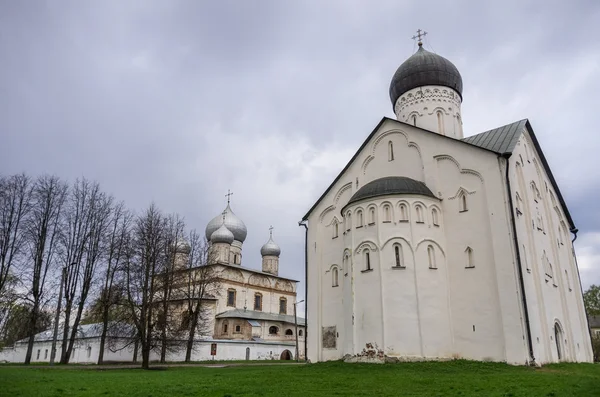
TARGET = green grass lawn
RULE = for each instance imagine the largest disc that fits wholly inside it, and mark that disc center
(455, 378)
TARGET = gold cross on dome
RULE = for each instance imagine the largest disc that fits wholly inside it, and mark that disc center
(420, 34)
(271, 230)
(228, 195)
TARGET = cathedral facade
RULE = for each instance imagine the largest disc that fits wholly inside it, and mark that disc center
(430, 245)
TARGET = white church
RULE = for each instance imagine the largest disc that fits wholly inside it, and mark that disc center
(431, 246)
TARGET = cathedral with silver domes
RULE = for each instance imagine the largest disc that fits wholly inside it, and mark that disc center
(253, 311)
(430, 245)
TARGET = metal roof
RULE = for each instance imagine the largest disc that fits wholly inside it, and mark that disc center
(391, 185)
(256, 315)
(500, 140)
(424, 68)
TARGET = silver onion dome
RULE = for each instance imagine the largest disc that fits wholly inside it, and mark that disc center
(182, 246)
(232, 222)
(222, 235)
(270, 248)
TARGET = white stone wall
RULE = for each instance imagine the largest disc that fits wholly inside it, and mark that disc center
(434, 108)
(454, 311)
(551, 278)
(87, 351)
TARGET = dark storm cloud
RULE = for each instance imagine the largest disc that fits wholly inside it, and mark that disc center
(178, 101)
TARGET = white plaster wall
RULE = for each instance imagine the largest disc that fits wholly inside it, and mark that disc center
(485, 296)
(420, 107)
(226, 350)
(556, 299)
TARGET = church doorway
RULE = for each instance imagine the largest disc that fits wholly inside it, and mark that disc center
(558, 339)
(286, 355)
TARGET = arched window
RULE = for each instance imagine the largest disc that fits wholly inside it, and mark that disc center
(434, 217)
(289, 332)
(431, 257)
(336, 229)
(235, 259)
(300, 333)
(225, 325)
(419, 211)
(568, 282)
(403, 213)
(525, 259)
(521, 159)
(371, 215)
(414, 120)
(469, 257)
(560, 236)
(282, 306)
(440, 119)
(334, 277)
(348, 221)
(359, 218)
(273, 330)
(231, 297)
(238, 329)
(462, 202)
(258, 301)
(398, 256)
(387, 216)
(390, 151)
(367, 260)
(558, 340)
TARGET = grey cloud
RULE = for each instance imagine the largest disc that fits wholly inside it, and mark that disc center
(151, 98)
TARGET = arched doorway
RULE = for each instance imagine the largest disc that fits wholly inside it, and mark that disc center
(247, 353)
(286, 355)
(558, 338)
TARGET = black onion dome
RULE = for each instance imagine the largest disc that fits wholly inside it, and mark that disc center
(424, 68)
(391, 185)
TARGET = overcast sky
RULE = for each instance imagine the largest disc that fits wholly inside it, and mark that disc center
(177, 101)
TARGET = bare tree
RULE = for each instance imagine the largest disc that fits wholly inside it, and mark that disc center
(86, 222)
(166, 282)
(143, 264)
(119, 234)
(15, 203)
(201, 282)
(42, 229)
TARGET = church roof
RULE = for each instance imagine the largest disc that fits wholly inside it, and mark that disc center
(424, 68)
(256, 315)
(501, 140)
(391, 185)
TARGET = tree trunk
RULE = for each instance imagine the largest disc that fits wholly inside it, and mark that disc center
(32, 322)
(136, 347)
(145, 357)
(103, 335)
(64, 355)
(190, 341)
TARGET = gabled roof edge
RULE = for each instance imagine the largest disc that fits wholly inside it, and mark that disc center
(337, 178)
(538, 148)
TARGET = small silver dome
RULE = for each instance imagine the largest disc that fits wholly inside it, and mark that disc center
(232, 222)
(222, 235)
(183, 247)
(270, 248)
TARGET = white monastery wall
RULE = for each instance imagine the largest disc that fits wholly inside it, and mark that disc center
(87, 351)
